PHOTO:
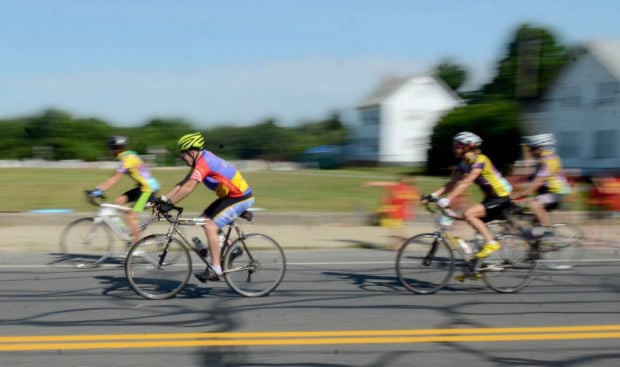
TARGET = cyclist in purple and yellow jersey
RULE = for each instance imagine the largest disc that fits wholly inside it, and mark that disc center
(133, 166)
(234, 195)
(475, 167)
(549, 184)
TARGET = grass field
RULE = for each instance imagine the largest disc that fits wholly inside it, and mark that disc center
(25, 189)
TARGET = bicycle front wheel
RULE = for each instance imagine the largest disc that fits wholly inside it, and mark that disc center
(158, 268)
(424, 263)
(254, 265)
(510, 268)
(86, 243)
(565, 251)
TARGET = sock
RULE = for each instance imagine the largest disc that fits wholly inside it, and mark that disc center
(217, 269)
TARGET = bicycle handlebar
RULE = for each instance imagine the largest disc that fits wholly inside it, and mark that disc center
(430, 204)
(94, 200)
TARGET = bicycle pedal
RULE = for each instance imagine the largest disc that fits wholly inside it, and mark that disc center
(471, 276)
(491, 268)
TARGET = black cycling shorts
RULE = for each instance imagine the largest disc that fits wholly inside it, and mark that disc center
(495, 207)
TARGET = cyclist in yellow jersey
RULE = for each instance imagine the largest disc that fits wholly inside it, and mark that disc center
(549, 185)
(134, 167)
(475, 167)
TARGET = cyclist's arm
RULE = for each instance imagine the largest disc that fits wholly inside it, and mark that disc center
(110, 182)
(531, 188)
(454, 179)
(181, 191)
(463, 184)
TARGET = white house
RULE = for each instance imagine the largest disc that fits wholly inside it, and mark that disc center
(582, 108)
(397, 119)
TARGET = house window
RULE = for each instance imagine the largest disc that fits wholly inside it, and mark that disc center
(569, 144)
(371, 117)
(604, 146)
(606, 93)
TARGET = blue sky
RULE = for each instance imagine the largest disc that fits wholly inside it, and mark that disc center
(215, 62)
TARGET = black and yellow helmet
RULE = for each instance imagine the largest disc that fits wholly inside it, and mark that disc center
(191, 141)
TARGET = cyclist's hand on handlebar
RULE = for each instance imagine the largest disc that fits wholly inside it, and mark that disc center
(163, 206)
(426, 198)
(95, 193)
(443, 202)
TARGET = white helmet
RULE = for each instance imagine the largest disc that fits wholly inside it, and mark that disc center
(540, 141)
(469, 139)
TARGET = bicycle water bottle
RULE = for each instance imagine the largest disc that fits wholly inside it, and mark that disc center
(465, 246)
(203, 251)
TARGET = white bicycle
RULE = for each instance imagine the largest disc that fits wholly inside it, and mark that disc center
(89, 241)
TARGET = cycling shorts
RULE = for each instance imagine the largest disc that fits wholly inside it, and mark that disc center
(224, 210)
(550, 200)
(495, 207)
(139, 198)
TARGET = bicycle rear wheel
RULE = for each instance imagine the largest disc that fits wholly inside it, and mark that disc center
(86, 242)
(512, 267)
(153, 274)
(254, 265)
(424, 263)
(565, 251)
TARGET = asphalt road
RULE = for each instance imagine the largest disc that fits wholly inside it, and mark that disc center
(335, 307)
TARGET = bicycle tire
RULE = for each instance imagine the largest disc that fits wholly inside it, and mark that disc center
(86, 242)
(258, 269)
(420, 273)
(152, 280)
(567, 250)
(512, 267)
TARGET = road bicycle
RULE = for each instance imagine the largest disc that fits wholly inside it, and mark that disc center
(558, 252)
(426, 262)
(160, 265)
(87, 242)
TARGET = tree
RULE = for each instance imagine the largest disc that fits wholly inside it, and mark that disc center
(533, 60)
(496, 123)
(452, 74)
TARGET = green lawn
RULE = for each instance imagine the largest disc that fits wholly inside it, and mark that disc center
(24, 189)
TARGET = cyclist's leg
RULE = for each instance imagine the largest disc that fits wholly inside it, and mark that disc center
(538, 206)
(492, 208)
(133, 217)
(222, 212)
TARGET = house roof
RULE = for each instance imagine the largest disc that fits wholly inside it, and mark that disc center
(391, 85)
(607, 52)
(385, 89)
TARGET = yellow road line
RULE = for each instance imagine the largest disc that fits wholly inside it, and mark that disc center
(283, 338)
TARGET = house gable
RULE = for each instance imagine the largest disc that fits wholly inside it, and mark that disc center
(581, 106)
(398, 117)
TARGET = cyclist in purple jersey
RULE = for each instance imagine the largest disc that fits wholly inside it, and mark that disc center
(234, 195)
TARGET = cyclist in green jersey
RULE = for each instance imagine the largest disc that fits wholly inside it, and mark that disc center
(146, 184)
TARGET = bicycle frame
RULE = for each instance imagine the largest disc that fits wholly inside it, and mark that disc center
(443, 218)
(175, 231)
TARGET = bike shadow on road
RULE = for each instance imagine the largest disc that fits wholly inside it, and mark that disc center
(117, 286)
(383, 283)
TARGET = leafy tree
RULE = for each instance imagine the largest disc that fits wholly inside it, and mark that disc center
(452, 74)
(496, 123)
(532, 61)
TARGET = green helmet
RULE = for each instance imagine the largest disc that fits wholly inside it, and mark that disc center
(191, 141)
